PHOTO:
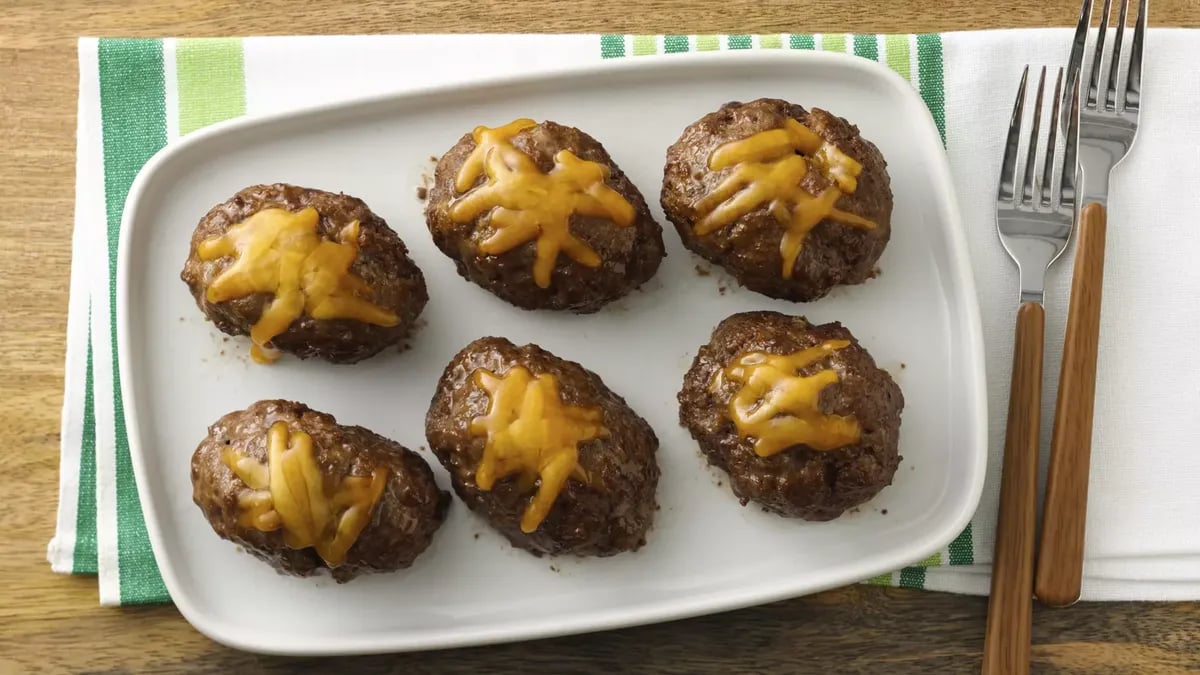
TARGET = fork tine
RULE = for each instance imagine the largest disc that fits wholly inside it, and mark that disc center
(1047, 179)
(1033, 189)
(1114, 63)
(1094, 77)
(1133, 90)
(1065, 195)
(1008, 165)
(1075, 62)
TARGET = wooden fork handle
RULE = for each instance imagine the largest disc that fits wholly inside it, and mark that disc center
(1060, 554)
(1006, 644)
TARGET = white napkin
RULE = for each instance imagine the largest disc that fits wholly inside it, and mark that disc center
(1142, 539)
(1144, 495)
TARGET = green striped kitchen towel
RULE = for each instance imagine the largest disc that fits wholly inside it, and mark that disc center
(137, 95)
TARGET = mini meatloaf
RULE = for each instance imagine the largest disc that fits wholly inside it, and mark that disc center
(302, 492)
(790, 202)
(541, 216)
(798, 415)
(308, 272)
(544, 451)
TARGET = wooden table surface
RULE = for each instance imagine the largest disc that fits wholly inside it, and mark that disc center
(54, 622)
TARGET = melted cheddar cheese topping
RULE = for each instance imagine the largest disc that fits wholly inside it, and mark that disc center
(779, 408)
(280, 252)
(532, 434)
(527, 205)
(291, 493)
(768, 169)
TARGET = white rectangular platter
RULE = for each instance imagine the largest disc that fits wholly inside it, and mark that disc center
(705, 553)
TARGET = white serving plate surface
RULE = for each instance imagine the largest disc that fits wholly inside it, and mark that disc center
(705, 553)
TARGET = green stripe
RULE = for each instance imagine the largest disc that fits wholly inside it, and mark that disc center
(802, 42)
(211, 88)
(674, 44)
(866, 46)
(881, 580)
(962, 549)
(833, 42)
(134, 120)
(931, 84)
(612, 46)
(770, 41)
(84, 559)
(740, 42)
(644, 45)
(707, 43)
(929, 63)
(898, 55)
(211, 78)
(912, 577)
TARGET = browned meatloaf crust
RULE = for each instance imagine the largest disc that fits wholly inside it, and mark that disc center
(396, 283)
(404, 520)
(629, 255)
(608, 515)
(799, 481)
(832, 254)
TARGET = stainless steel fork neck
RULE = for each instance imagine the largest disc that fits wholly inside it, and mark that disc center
(1096, 160)
(1100, 198)
(1033, 286)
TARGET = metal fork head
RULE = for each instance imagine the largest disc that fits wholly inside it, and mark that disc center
(1113, 97)
(1035, 202)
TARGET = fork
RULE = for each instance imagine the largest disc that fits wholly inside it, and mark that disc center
(1108, 123)
(1035, 212)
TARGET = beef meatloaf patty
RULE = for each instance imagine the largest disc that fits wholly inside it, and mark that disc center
(353, 501)
(798, 415)
(303, 271)
(781, 171)
(542, 217)
(543, 450)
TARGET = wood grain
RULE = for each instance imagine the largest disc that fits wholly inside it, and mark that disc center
(1007, 638)
(50, 623)
(1059, 575)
